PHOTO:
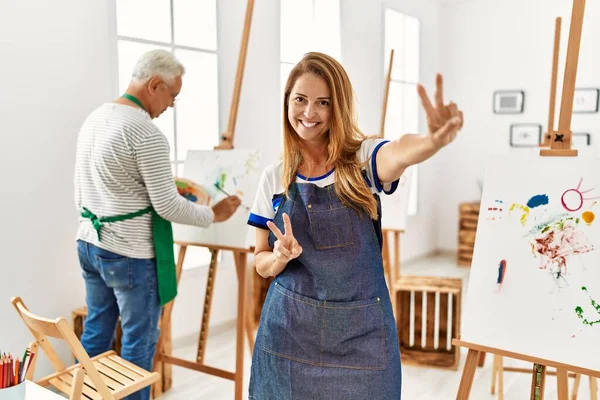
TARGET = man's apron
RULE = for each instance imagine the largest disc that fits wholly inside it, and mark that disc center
(162, 233)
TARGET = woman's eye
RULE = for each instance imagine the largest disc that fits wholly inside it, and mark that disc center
(299, 99)
(324, 103)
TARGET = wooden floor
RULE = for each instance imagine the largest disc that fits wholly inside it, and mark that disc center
(417, 383)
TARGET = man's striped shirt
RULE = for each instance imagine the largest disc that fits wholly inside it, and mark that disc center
(122, 166)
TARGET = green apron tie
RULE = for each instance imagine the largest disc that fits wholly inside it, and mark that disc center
(98, 222)
(162, 234)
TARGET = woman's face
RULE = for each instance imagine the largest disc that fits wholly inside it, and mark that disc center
(309, 108)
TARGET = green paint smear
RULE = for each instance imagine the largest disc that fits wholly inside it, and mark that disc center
(181, 185)
(579, 310)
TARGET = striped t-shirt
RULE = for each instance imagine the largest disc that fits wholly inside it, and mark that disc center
(122, 166)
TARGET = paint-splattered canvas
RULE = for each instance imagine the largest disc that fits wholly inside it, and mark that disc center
(535, 276)
(222, 172)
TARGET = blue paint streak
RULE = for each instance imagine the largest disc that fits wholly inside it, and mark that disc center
(538, 200)
(501, 268)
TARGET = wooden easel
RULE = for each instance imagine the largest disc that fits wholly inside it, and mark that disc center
(560, 147)
(163, 359)
(548, 135)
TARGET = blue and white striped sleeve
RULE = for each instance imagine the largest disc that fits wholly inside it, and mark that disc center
(368, 151)
(262, 209)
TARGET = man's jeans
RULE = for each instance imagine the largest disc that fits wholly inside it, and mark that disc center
(117, 285)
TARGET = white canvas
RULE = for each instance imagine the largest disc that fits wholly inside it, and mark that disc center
(394, 207)
(237, 172)
(551, 253)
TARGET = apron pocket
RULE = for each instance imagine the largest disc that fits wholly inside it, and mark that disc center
(293, 326)
(355, 335)
(330, 228)
(327, 334)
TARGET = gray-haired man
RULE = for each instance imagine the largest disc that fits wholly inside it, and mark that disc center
(126, 194)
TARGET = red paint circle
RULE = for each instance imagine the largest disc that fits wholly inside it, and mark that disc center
(562, 200)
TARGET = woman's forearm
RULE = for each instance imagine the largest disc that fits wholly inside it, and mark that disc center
(394, 158)
(268, 265)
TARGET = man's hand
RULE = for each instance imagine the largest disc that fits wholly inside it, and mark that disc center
(225, 208)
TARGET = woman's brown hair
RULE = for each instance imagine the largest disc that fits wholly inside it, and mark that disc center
(344, 137)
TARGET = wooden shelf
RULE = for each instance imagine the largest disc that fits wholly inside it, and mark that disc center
(467, 228)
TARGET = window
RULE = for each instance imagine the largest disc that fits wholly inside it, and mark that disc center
(188, 28)
(402, 35)
(308, 25)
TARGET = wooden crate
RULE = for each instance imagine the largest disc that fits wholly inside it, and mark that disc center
(467, 227)
(79, 315)
(417, 299)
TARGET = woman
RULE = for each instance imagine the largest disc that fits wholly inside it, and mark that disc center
(327, 330)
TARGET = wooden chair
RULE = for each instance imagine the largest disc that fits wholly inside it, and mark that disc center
(107, 376)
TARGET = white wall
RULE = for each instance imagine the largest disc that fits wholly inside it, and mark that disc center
(488, 46)
(53, 72)
(258, 124)
(362, 56)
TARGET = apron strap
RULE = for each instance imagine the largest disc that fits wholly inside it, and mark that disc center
(98, 222)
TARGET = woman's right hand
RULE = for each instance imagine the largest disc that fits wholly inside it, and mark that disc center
(286, 247)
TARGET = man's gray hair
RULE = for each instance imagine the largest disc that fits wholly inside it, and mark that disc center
(159, 63)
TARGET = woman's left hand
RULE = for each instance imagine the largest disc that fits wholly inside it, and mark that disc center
(444, 121)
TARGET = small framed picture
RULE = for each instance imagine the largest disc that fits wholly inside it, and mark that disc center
(525, 135)
(586, 100)
(509, 101)
(580, 140)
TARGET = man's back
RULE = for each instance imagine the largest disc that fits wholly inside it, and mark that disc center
(122, 166)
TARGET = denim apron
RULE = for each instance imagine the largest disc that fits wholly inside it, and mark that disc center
(327, 330)
(162, 236)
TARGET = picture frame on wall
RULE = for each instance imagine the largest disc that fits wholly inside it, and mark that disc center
(586, 100)
(509, 101)
(580, 140)
(525, 135)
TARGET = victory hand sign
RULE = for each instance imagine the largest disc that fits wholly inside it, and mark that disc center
(444, 121)
(286, 247)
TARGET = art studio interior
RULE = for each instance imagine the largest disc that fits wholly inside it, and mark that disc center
(436, 159)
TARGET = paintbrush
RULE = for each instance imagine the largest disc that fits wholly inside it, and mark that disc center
(227, 194)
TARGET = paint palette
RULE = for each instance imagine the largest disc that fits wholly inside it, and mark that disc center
(192, 191)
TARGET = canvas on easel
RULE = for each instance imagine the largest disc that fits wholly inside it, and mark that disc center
(535, 277)
(533, 284)
(236, 172)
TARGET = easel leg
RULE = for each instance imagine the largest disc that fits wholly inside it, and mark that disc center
(249, 310)
(494, 374)
(466, 382)
(395, 272)
(240, 265)
(481, 360)
(501, 378)
(210, 286)
(164, 344)
(386, 259)
(576, 386)
(563, 384)
(538, 382)
(593, 388)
